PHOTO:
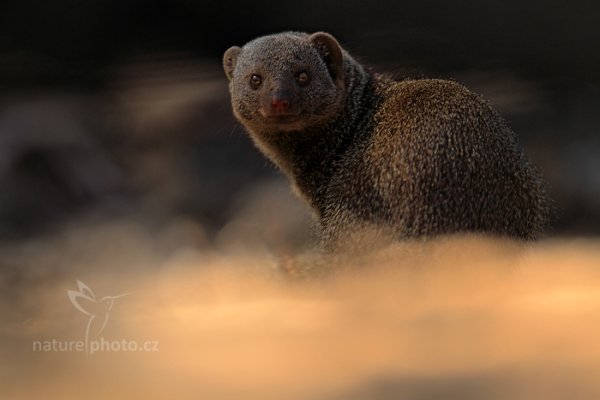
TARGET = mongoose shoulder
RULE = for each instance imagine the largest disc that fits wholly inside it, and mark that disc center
(409, 158)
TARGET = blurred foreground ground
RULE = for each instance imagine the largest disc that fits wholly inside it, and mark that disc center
(457, 318)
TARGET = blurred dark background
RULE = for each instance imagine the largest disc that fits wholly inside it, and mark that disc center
(115, 110)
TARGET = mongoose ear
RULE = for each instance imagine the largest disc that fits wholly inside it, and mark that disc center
(230, 59)
(331, 51)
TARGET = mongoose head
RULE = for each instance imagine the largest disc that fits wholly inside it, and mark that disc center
(286, 82)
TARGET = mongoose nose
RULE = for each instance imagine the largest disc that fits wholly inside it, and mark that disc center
(279, 105)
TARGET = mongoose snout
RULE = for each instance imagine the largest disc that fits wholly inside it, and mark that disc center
(279, 104)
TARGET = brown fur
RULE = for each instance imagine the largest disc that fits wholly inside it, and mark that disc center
(394, 159)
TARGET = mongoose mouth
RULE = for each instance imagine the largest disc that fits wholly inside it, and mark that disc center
(281, 119)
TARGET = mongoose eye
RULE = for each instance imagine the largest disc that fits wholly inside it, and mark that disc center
(302, 78)
(255, 81)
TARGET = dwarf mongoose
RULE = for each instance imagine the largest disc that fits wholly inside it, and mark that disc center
(408, 158)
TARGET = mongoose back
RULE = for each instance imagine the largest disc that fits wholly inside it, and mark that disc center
(403, 159)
